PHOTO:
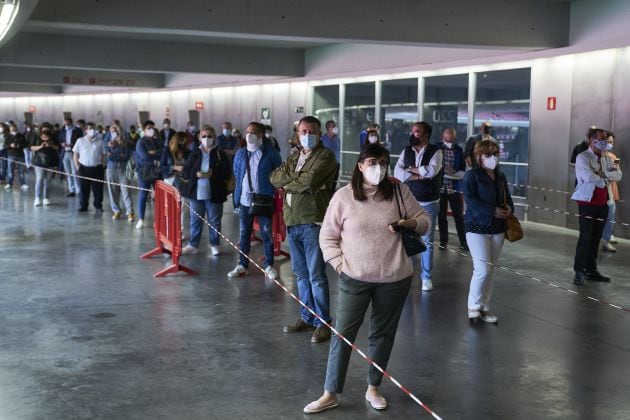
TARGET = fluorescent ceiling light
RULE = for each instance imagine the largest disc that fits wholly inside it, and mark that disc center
(7, 16)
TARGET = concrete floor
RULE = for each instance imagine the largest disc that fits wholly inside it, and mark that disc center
(87, 333)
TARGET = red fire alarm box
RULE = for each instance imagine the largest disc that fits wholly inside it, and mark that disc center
(551, 103)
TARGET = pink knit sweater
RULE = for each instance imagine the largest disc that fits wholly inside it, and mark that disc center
(355, 234)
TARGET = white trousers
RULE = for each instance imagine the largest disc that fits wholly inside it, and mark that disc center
(484, 249)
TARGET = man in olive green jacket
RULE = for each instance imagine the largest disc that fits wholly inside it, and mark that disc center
(306, 177)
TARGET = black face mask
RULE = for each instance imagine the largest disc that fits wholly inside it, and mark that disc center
(415, 141)
(486, 130)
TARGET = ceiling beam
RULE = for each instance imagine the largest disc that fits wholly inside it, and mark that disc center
(41, 76)
(115, 54)
(27, 88)
(512, 24)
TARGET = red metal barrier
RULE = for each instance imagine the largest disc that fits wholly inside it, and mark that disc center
(168, 228)
(278, 228)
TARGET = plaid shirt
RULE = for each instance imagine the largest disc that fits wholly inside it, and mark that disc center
(449, 157)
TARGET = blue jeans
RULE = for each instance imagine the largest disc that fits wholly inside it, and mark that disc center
(142, 197)
(608, 228)
(246, 227)
(426, 258)
(71, 170)
(20, 170)
(213, 213)
(307, 263)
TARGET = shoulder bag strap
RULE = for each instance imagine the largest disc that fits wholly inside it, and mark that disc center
(398, 193)
(249, 176)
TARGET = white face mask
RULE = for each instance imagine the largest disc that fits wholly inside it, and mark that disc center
(373, 175)
(253, 143)
(205, 141)
(1, 129)
(226, 132)
(166, 126)
(113, 135)
(91, 132)
(268, 134)
(28, 129)
(335, 131)
(372, 139)
(449, 145)
(490, 162)
(308, 141)
(149, 132)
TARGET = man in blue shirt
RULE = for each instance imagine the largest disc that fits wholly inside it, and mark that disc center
(332, 142)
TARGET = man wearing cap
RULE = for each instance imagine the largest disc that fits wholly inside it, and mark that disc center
(484, 134)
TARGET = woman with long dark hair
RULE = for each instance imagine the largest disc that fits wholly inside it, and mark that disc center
(358, 238)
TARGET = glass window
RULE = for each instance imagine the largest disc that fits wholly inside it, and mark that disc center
(446, 105)
(502, 98)
(326, 103)
(399, 109)
(358, 114)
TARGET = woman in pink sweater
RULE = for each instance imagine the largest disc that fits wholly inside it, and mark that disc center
(357, 240)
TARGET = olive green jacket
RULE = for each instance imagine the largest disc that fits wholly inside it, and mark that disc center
(309, 188)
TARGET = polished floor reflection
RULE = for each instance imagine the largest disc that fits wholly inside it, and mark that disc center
(87, 332)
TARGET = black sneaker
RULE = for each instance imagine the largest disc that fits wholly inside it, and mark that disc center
(443, 246)
(596, 276)
(464, 247)
(70, 194)
(321, 335)
(299, 326)
(580, 277)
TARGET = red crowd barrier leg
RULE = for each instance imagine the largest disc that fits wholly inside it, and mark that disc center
(278, 228)
(168, 229)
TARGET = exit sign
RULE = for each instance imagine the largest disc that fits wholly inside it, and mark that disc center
(551, 103)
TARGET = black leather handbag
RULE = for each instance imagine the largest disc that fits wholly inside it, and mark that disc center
(412, 241)
(262, 205)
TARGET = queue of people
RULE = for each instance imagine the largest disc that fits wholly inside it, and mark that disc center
(327, 224)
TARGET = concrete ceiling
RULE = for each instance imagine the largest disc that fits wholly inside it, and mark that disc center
(63, 46)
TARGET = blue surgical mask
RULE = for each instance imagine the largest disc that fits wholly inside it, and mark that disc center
(308, 141)
(601, 145)
(609, 147)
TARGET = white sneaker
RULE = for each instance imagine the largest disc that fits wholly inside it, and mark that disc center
(612, 240)
(37, 202)
(8, 187)
(46, 202)
(607, 246)
(24, 187)
(238, 271)
(474, 313)
(488, 317)
(427, 285)
(140, 224)
(189, 249)
(271, 273)
(214, 250)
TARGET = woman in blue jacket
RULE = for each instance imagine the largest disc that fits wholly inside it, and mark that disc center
(204, 183)
(262, 159)
(148, 155)
(488, 205)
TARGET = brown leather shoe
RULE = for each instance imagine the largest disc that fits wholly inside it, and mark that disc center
(321, 334)
(299, 326)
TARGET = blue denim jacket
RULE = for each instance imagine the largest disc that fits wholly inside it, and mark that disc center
(482, 195)
(117, 156)
(270, 160)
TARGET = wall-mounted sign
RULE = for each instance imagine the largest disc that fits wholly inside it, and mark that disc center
(32, 108)
(167, 112)
(265, 116)
(199, 105)
(101, 81)
(299, 110)
(551, 103)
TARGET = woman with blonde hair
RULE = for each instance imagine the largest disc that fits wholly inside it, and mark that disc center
(204, 183)
(488, 205)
